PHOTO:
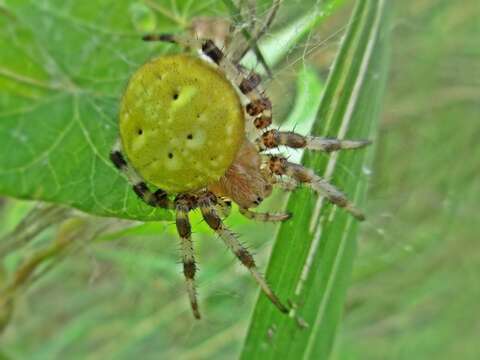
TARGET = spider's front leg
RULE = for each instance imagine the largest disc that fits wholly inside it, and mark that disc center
(159, 198)
(183, 205)
(207, 204)
(274, 138)
(278, 165)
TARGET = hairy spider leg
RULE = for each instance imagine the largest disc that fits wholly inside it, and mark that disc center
(280, 166)
(159, 198)
(274, 138)
(259, 107)
(183, 204)
(206, 203)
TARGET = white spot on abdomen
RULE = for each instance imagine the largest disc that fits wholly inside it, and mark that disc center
(198, 139)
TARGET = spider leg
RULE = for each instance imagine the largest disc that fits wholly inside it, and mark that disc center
(274, 138)
(183, 204)
(159, 198)
(280, 166)
(263, 216)
(206, 203)
(259, 107)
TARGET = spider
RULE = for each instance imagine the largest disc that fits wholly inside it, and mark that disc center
(197, 129)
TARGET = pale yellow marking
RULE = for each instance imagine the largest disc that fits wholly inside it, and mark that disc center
(198, 139)
(139, 142)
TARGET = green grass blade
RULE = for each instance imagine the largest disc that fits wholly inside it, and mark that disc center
(313, 254)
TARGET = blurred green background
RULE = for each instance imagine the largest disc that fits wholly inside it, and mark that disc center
(415, 288)
(415, 291)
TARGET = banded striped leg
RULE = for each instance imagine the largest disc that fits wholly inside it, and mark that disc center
(259, 106)
(274, 138)
(206, 203)
(158, 198)
(264, 216)
(183, 204)
(280, 166)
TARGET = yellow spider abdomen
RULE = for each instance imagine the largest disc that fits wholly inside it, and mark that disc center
(181, 123)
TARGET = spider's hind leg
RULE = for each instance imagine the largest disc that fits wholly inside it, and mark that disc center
(183, 204)
(207, 203)
(159, 198)
(280, 166)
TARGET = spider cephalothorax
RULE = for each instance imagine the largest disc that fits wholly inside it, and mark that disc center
(197, 129)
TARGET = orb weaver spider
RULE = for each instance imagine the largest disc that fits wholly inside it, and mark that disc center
(197, 128)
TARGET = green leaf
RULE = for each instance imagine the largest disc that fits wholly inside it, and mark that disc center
(313, 254)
